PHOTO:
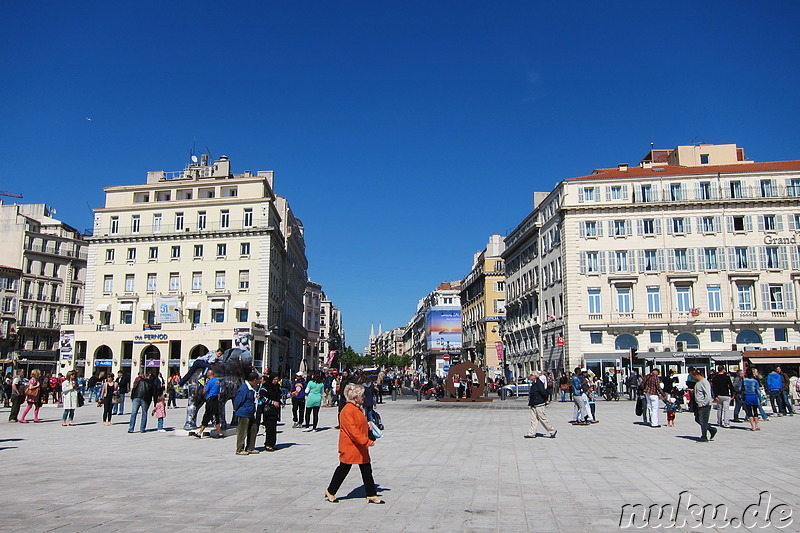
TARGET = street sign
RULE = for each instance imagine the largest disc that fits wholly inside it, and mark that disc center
(446, 357)
(560, 341)
(446, 368)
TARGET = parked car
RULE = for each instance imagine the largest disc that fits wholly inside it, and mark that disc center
(518, 389)
(386, 386)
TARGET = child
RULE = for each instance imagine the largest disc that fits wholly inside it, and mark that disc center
(671, 406)
(160, 410)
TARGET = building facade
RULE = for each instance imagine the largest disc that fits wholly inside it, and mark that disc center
(312, 303)
(43, 283)
(434, 331)
(331, 333)
(483, 308)
(185, 263)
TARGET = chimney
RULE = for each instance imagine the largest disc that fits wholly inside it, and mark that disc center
(622, 167)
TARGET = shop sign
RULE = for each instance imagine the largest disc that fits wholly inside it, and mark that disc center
(151, 338)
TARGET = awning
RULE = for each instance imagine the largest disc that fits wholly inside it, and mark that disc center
(192, 306)
(241, 304)
(774, 360)
(103, 307)
(126, 307)
(146, 307)
(216, 304)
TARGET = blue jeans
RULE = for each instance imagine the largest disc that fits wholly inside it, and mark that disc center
(137, 404)
(119, 408)
(160, 424)
(563, 395)
(786, 402)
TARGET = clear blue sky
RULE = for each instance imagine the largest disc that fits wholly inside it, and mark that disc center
(403, 133)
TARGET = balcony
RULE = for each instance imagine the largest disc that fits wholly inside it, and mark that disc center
(52, 250)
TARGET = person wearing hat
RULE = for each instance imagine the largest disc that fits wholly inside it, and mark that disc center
(298, 394)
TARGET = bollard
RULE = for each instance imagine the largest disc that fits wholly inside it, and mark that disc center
(419, 394)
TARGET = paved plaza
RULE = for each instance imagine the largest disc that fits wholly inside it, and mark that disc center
(440, 467)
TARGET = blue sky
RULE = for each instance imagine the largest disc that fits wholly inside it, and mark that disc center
(403, 133)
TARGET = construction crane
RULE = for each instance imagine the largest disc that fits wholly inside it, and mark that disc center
(11, 194)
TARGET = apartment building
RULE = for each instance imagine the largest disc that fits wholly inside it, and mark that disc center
(483, 307)
(685, 259)
(42, 283)
(296, 278)
(434, 332)
(312, 304)
(331, 332)
(188, 262)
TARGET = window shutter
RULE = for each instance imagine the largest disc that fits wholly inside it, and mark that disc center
(684, 192)
(655, 196)
(788, 296)
(700, 227)
(687, 222)
(670, 226)
(795, 258)
(631, 262)
(762, 254)
(721, 258)
(751, 258)
(13, 305)
(597, 193)
(599, 226)
(608, 193)
(583, 263)
(639, 226)
(792, 225)
(729, 221)
(748, 223)
(702, 263)
(760, 222)
(612, 261)
(690, 259)
(580, 194)
(640, 253)
(658, 226)
(732, 257)
(601, 258)
(765, 296)
(779, 222)
(628, 227)
(660, 259)
(714, 191)
(671, 260)
(624, 192)
(698, 195)
(773, 187)
(583, 229)
(783, 258)
(611, 228)
(718, 223)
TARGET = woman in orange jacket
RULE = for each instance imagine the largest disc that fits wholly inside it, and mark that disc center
(354, 443)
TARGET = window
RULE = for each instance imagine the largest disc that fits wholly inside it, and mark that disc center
(594, 302)
(766, 188)
(653, 300)
(624, 299)
(739, 223)
(448, 301)
(197, 281)
(244, 280)
(588, 194)
(157, 223)
(108, 284)
(769, 223)
(775, 297)
(131, 254)
(109, 255)
(656, 337)
(683, 299)
(500, 306)
(591, 262)
(714, 298)
(198, 250)
(596, 337)
(619, 228)
(736, 189)
(648, 226)
(650, 262)
(201, 220)
(222, 250)
(716, 335)
(710, 258)
(130, 282)
(499, 286)
(151, 282)
(680, 259)
(793, 186)
(114, 225)
(708, 225)
(780, 334)
(675, 192)
(153, 253)
(219, 280)
(136, 224)
(244, 249)
(769, 257)
(248, 218)
(126, 317)
(621, 261)
(740, 257)
(744, 294)
(646, 193)
(218, 311)
(178, 221)
(241, 315)
(704, 190)
(225, 219)
(590, 228)
(175, 252)
(174, 281)
(678, 225)
(615, 192)
(704, 159)
(195, 316)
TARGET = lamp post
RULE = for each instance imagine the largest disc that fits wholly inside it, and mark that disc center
(501, 332)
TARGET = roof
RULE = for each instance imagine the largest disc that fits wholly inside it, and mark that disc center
(674, 170)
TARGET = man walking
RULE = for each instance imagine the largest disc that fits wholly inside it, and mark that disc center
(537, 400)
(122, 386)
(651, 385)
(722, 388)
(774, 387)
(17, 394)
(787, 404)
(211, 392)
(142, 396)
(580, 388)
(702, 397)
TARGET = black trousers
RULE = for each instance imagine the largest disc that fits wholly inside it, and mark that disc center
(701, 415)
(108, 403)
(16, 403)
(298, 410)
(212, 412)
(315, 411)
(270, 432)
(366, 476)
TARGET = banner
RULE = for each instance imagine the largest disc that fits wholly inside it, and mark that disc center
(498, 346)
(168, 312)
(443, 329)
(67, 345)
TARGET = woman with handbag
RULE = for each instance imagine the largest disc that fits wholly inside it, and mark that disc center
(33, 396)
(270, 394)
(109, 392)
(354, 443)
(69, 398)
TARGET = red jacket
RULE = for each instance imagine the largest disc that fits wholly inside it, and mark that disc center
(353, 436)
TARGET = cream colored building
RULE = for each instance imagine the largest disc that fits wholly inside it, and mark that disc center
(483, 307)
(185, 263)
(688, 258)
(331, 332)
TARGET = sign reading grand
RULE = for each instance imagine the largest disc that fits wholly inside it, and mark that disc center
(772, 239)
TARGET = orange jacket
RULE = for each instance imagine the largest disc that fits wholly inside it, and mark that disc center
(353, 436)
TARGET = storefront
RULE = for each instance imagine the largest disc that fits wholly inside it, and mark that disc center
(767, 360)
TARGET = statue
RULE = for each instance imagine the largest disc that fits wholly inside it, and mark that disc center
(231, 371)
(476, 393)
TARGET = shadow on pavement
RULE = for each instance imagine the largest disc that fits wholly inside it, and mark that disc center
(10, 440)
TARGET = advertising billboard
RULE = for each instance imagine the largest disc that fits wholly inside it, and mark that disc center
(443, 329)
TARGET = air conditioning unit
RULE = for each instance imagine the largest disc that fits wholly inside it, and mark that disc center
(680, 346)
(651, 349)
(735, 347)
(750, 348)
(667, 348)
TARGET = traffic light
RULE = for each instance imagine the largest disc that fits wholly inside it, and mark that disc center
(634, 353)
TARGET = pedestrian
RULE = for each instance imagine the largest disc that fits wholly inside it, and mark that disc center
(69, 398)
(722, 388)
(244, 407)
(44, 393)
(172, 392)
(774, 386)
(784, 395)
(122, 390)
(738, 395)
(354, 443)
(703, 399)
(313, 400)
(18, 386)
(108, 392)
(537, 400)
(651, 385)
(762, 396)
(272, 411)
(794, 389)
(142, 396)
(671, 407)
(580, 388)
(32, 396)
(563, 385)
(632, 383)
(342, 384)
(752, 399)
(211, 414)
(160, 412)
(298, 395)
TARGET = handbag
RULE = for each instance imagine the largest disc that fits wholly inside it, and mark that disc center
(81, 401)
(374, 431)
(639, 408)
(116, 399)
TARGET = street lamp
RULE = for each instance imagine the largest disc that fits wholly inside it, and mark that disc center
(502, 331)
